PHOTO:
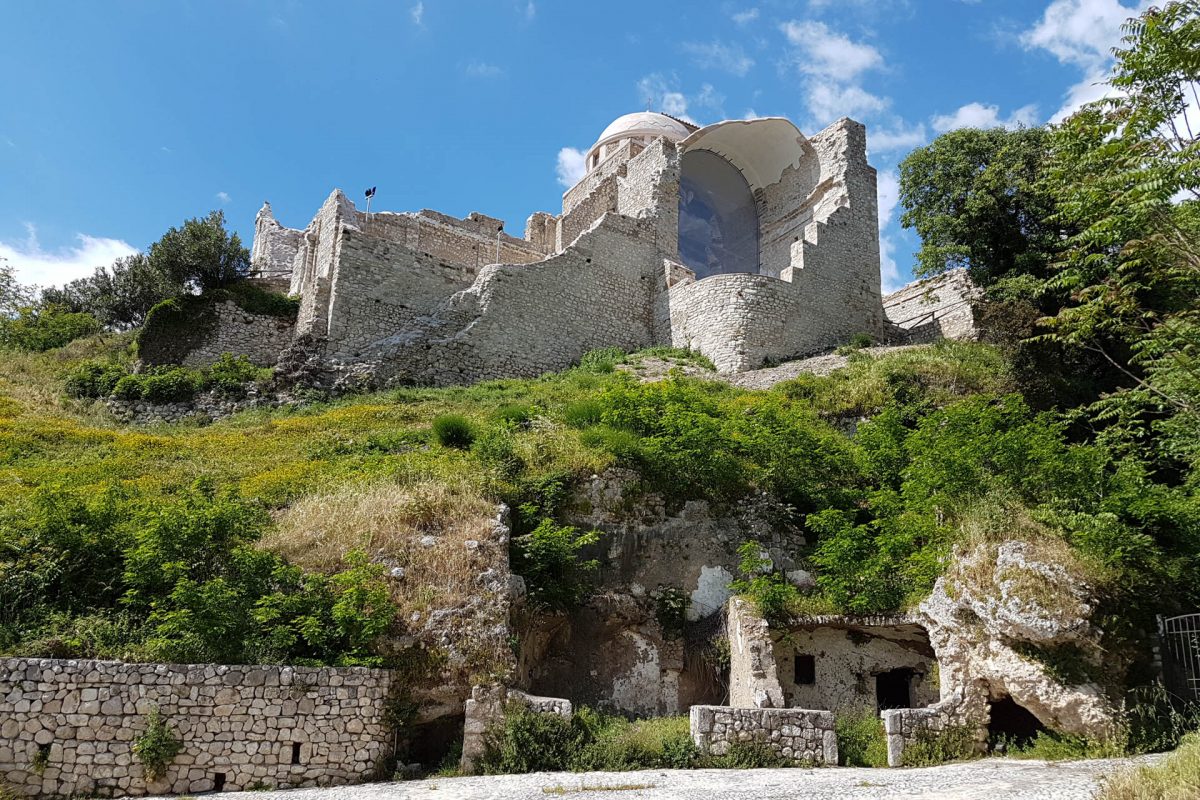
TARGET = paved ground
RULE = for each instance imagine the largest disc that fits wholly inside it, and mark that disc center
(989, 779)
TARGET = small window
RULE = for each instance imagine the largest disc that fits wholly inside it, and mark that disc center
(295, 752)
(806, 670)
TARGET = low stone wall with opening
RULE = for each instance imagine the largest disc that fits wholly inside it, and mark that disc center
(806, 737)
(69, 727)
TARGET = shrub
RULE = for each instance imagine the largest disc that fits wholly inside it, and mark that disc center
(171, 385)
(603, 359)
(532, 742)
(256, 300)
(157, 747)
(860, 340)
(583, 413)
(128, 387)
(454, 430)
(94, 379)
(928, 748)
(862, 741)
(496, 447)
(771, 593)
(517, 415)
(40, 328)
(230, 374)
(548, 560)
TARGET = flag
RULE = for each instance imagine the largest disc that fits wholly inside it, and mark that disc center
(371, 192)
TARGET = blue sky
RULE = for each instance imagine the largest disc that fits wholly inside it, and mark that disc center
(119, 119)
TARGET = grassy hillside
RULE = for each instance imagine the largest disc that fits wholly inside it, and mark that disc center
(258, 537)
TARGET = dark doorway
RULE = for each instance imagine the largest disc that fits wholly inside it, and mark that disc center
(1011, 725)
(435, 743)
(893, 689)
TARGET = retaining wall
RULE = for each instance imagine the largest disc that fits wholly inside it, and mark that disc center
(801, 735)
(69, 727)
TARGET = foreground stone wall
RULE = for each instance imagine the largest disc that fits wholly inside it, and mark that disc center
(484, 714)
(804, 736)
(68, 727)
(959, 714)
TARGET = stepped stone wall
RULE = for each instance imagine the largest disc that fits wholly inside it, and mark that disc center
(67, 728)
(935, 308)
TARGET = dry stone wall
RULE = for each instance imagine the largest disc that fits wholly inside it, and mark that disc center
(259, 337)
(806, 737)
(952, 715)
(68, 727)
(485, 712)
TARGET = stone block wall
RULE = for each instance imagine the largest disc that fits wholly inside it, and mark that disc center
(485, 713)
(68, 727)
(259, 337)
(906, 725)
(935, 308)
(806, 737)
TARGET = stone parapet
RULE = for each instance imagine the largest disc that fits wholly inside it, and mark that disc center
(905, 725)
(68, 728)
(806, 737)
(485, 713)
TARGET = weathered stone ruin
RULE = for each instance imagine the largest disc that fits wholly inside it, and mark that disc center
(744, 240)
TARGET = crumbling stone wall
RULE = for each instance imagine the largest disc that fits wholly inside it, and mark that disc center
(967, 714)
(259, 337)
(935, 308)
(485, 712)
(241, 727)
(753, 672)
(806, 737)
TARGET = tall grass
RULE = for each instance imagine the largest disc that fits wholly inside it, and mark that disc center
(1177, 777)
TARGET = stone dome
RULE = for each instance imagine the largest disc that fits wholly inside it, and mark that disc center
(642, 125)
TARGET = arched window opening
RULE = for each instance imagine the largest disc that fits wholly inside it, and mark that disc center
(718, 221)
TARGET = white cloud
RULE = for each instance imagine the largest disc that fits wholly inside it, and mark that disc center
(900, 137)
(656, 93)
(978, 115)
(529, 11)
(417, 13)
(829, 54)
(745, 17)
(482, 69)
(887, 189)
(570, 167)
(828, 101)
(717, 55)
(224, 197)
(33, 265)
(709, 97)
(833, 65)
(1081, 33)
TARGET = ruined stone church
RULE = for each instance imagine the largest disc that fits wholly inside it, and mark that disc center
(744, 240)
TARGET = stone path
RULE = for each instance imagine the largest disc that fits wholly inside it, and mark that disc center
(989, 779)
(824, 364)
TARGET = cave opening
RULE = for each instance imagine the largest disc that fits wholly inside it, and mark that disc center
(432, 744)
(1011, 725)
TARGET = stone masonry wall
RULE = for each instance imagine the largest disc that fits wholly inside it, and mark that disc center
(806, 737)
(256, 726)
(259, 337)
(906, 725)
(522, 320)
(935, 308)
(741, 321)
(484, 713)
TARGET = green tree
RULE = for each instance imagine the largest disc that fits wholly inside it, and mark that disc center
(120, 295)
(1124, 172)
(975, 198)
(201, 254)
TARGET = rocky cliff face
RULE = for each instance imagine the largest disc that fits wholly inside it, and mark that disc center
(1012, 619)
